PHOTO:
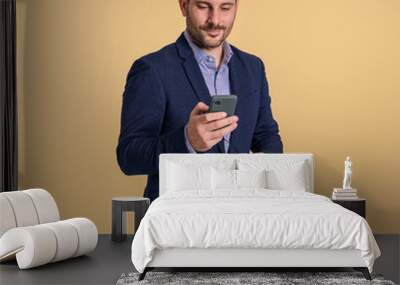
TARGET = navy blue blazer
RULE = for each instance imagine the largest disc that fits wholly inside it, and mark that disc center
(161, 90)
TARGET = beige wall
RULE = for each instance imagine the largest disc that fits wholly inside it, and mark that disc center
(333, 68)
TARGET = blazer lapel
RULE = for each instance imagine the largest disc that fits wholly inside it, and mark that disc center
(192, 70)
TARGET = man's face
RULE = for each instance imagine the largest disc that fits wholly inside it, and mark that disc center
(209, 22)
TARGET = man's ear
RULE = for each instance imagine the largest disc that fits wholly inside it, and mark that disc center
(183, 5)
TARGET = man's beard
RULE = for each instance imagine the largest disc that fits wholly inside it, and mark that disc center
(200, 40)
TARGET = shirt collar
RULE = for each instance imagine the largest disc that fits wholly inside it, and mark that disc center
(201, 55)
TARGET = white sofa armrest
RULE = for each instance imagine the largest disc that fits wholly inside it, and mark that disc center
(40, 244)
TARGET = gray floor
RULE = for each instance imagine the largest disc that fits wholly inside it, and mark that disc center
(102, 266)
(110, 260)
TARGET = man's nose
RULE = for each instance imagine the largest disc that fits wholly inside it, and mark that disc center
(214, 17)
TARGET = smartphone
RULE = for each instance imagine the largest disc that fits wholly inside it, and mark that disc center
(223, 103)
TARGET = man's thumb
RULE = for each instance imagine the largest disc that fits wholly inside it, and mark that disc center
(200, 108)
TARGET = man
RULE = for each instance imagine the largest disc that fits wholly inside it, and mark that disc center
(167, 94)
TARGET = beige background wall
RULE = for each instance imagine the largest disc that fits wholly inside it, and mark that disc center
(333, 68)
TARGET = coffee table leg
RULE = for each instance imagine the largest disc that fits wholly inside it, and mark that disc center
(118, 222)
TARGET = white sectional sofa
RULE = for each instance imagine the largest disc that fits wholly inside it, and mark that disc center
(31, 231)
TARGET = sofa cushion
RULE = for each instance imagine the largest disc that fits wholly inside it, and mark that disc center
(40, 244)
(45, 205)
(23, 208)
(7, 218)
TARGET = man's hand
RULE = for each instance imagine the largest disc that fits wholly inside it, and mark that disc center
(207, 129)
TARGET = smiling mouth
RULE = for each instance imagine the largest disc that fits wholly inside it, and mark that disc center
(214, 33)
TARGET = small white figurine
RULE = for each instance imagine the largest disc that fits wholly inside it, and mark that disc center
(347, 174)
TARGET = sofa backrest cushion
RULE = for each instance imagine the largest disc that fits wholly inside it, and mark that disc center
(26, 208)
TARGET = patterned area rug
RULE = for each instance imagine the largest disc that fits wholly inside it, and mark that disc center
(243, 278)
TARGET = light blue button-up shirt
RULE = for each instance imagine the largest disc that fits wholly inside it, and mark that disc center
(217, 79)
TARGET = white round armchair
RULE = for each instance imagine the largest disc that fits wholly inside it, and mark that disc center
(31, 230)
